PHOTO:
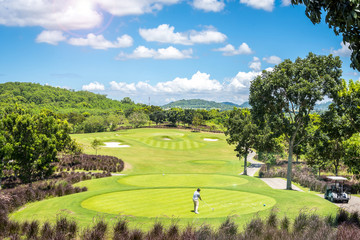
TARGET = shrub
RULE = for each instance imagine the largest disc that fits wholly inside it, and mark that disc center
(90, 162)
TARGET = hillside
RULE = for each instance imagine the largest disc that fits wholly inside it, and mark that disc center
(200, 104)
(36, 97)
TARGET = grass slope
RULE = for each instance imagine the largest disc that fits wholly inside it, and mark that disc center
(162, 178)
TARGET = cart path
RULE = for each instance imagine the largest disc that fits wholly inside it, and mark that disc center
(278, 183)
(255, 165)
(352, 206)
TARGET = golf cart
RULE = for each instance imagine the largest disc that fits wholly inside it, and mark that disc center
(335, 192)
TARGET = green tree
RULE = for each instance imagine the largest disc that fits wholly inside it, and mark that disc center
(158, 117)
(127, 100)
(352, 153)
(343, 16)
(287, 95)
(174, 115)
(94, 124)
(242, 132)
(347, 103)
(138, 119)
(197, 120)
(96, 144)
(32, 142)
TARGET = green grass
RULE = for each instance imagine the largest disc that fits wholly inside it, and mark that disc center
(165, 168)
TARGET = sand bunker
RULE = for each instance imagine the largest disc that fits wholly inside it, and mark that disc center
(115, 145)
(211, 139)
(166, 139)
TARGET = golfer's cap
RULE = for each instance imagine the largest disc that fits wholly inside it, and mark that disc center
(198, 190)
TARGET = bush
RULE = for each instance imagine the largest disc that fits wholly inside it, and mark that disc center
(90, 162)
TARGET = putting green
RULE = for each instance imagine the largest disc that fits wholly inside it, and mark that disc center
(177, 202)
(182, 180)
(172, 142)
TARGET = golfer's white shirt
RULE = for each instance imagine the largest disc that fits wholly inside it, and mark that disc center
(196, 196)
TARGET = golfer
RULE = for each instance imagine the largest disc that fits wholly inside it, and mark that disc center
(196, 198)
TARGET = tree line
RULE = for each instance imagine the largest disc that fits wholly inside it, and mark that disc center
(282, 101)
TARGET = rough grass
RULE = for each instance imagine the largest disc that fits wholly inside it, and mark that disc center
(148, 190)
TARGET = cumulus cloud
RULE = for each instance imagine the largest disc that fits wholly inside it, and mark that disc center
(50, 37)
(165, 33)
(229, 50)
(255, 64)
(242, 80)
(344, 51)
(272, 59)
(199, 82)
(72, 14)
(267, 5)
(95, 86)
(134, 7)
(161, 53)
(99, 41)
(200, 85)
(209, 5)
(286, 2)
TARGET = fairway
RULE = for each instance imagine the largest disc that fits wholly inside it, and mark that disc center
(163, 169)
(176, 202)
(183, 180)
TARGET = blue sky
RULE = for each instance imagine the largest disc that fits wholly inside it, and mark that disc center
(163, 49)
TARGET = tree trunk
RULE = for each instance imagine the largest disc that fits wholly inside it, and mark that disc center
(336, 166)
(319, 171)
(245, 164)
(289, 169)
(297, 158)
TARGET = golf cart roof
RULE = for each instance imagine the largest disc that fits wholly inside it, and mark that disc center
(335, 178)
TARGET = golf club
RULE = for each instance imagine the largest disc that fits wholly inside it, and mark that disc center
(208, 205)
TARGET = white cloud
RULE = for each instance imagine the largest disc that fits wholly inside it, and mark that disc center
(200, 85)
(272, 59)
(199, 82)
(286, 2)
(79, 14)
(229, 50)
(95, 86)
(255, 64)
(99, 42)
(267, 5)
(209, 5)
(72, 14)
(134, 7)
(50, 37)
(242, 80)
(162, 53)
(344, 51)
(165, 33)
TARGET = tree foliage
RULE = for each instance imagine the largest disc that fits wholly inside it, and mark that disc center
(32, 142)
(343, 16)
(241, 132)
(285, 96)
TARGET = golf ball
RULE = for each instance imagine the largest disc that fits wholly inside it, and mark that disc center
(264, 205)
(163, 174)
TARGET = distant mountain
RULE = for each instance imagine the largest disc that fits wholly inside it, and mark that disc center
(231, 104)
(322, 106)
(245, 105)
(200, 104)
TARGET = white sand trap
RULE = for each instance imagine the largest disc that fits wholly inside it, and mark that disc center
(166, 139)
(115, 145)
(211, 139)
